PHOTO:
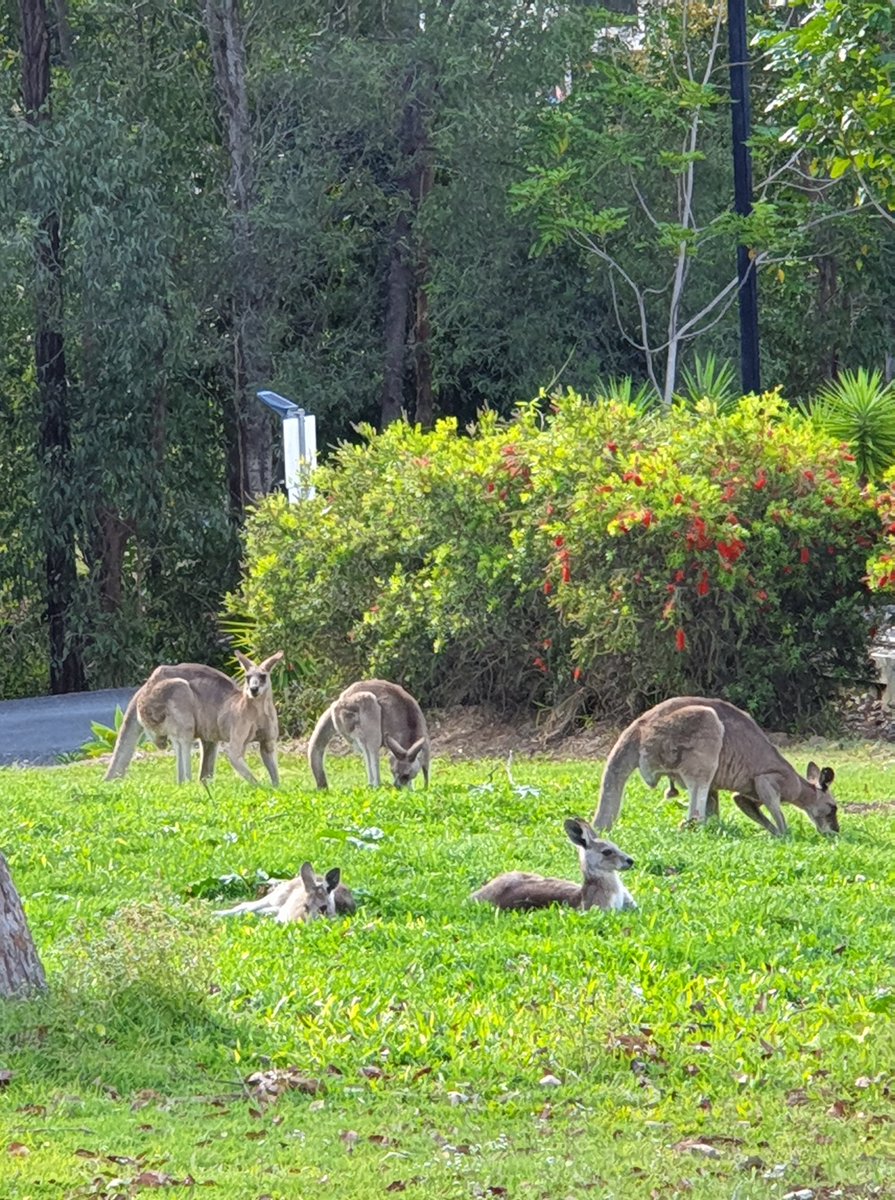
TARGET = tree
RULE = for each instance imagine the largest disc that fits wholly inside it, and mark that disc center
(836, 63)
(20, 966)
(54, 448)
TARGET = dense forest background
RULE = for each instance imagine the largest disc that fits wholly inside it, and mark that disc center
(377, 209)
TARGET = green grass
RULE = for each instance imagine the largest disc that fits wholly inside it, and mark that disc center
(747, 1005)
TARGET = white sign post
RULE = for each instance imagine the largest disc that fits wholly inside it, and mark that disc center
(299, 445)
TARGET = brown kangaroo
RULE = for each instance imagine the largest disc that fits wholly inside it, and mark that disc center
(602, 888)
(189, 701)
(304, 898)
(708, 746)
(371, 714)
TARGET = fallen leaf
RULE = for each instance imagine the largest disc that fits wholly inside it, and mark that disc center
(549, 1080)
(149, 1179)
(379, 1139)
(753, 1163)
(496, 1191)
(703, 1149)
(144, 1097)
(796, 1098)
(267, 1086)
(33, 1110)
(372, 1072)
(87, 1153)
(256, 1135)
(349, 1137)
(397, 1185)
(420, 1073)
(840, 1108)
(6, 1077)
(18, 1150)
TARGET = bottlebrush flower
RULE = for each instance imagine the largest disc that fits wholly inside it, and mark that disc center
(680, 640)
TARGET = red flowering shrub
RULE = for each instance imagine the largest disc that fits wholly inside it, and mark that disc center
(596, 555)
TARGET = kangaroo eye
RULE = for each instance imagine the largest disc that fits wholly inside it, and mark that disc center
(606, 852)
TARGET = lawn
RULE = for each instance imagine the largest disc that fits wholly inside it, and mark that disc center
(732, 1037)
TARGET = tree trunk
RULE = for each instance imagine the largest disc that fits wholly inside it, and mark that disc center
(251, 457)
(425, 411)
(66, 663)
(20, 968)
(400, 279)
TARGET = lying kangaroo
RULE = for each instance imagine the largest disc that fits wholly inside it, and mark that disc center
(303, 898)
(602, 887)
(189, 701)
(371, 714)
(708, 746)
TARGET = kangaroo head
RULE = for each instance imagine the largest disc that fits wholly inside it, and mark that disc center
(405, 764)
(822, 809)
(319, 892)
(257, 676)
(595, 854)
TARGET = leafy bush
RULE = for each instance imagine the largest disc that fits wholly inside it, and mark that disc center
(598, 557)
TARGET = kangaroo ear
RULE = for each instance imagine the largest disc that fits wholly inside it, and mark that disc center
(308, 878)
(812, 773)
(575, 833)
(245, 663)
(414, 750)
(827, 776)
(270, 663)
(332, 878)
(395, 746)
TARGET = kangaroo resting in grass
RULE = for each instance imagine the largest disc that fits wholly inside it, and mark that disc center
(303, 898)
(709, 746)
(189, 701)
(602, 888)
(371, 714)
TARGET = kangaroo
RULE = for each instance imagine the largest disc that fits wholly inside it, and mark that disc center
(303, 898)
(707, 746)
(371, 714)
(602, 887)
(189, 701)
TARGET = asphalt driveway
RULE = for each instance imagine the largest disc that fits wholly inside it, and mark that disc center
(38, 731)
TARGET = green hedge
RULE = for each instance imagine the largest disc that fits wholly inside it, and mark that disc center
(587, 558)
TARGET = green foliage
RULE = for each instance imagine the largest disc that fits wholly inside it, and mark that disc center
(836, 65)
(709, 379)
(599, 557)
(859, 409)
(744, 1006)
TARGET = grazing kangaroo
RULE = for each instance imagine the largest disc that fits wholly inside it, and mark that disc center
(189, 701)
(371, 714)
(709, 746)
(602, 888)
(303, 898)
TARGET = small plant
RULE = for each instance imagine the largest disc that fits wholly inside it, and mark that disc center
(104, 737)
(859, 409)
(710, 379)
(620, 388)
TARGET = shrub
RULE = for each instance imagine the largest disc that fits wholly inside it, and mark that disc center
(859, 409)
(596, 557)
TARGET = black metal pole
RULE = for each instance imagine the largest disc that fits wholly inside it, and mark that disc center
(750, 365)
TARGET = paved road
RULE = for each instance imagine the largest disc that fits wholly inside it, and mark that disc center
(39, 730)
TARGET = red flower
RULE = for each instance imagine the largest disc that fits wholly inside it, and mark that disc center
(703, 586)
(731, 551)
(804, 555)
(550, 510)
(809, 475)
(566, 573)
(679, 576)
(490, 487)
(612, 447)
(559, 540)
(647, 518)
(761, 481)
(729, 492)
(762, 595)
(577, 673)
(547, 643)
(540, 664)
(548, 587)
(678, 498)
(680, 640)
(848, 458)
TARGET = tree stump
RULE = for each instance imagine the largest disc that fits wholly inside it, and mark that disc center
(21, 971)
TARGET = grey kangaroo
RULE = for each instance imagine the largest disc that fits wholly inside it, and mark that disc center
(708, 746)
(304, 898)
(189, 701)
(372, 714)
(602, 888)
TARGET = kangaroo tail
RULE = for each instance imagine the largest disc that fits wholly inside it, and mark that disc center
(324, 732)
(126, 743)
(623, 759)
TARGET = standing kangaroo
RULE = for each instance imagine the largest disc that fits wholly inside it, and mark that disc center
(602, 888)
(710, 746)
(189, 701)
(303, 898)
(371, 714)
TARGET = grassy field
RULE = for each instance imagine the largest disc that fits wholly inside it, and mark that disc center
(734, 1037)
